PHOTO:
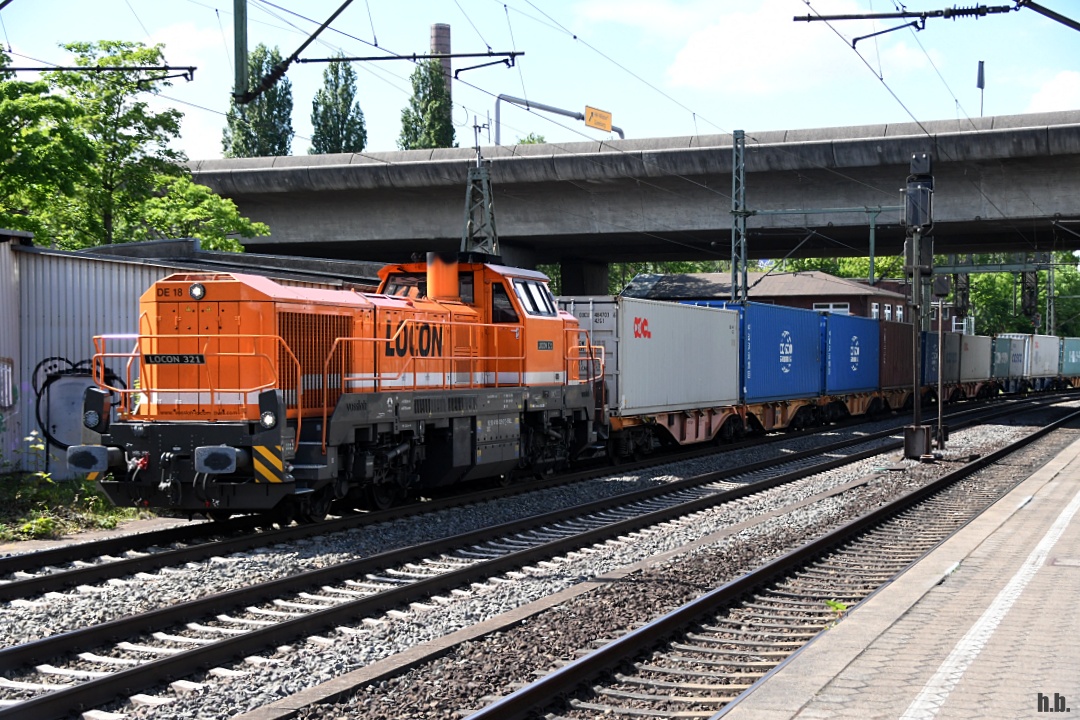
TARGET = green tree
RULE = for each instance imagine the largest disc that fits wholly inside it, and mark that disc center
(620, 274)
(427, 121)
(262, 127)
(336, 117)
(184, 209)
(42, 152)
(130, 142)
(532, 139)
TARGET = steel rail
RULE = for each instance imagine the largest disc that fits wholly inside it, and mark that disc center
(565, 680)
(244, 526)
(60, 703)
(10, 564)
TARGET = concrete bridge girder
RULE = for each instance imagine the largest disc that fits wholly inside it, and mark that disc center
(1000, 183)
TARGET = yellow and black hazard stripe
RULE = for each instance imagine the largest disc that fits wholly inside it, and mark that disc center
(93, 475)
(268, 464)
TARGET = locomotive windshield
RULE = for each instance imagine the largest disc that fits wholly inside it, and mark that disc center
(535, 297)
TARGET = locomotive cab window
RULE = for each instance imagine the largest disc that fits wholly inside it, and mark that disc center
(410, 285)
(465, 287)
(502, 310)
(535, 297)
(414, 285)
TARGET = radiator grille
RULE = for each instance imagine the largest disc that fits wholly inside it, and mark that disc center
(444, 405)
(310, 338)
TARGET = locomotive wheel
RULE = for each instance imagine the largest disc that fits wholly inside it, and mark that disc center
(316, 507)
(382, 496)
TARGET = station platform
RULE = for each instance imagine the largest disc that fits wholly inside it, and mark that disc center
(985, 626)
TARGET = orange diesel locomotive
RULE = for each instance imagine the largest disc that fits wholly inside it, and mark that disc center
(249, 396)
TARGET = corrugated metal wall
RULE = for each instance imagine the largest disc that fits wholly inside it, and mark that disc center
(10, 377)
(65, 301)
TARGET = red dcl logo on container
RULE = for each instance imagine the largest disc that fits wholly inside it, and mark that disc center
(641, 328)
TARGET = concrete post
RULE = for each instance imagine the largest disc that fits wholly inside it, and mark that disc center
(580, 277)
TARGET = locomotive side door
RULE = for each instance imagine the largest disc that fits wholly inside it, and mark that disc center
(506, 363)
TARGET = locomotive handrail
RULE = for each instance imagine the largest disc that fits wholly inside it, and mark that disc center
(445, 361)
(133, 390)
(585, 353)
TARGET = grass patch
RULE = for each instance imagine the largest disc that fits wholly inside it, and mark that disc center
(33, 506)
(38, 508)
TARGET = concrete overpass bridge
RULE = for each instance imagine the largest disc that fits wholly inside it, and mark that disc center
(1005, 183)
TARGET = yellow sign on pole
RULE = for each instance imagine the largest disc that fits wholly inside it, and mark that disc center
(597, 119)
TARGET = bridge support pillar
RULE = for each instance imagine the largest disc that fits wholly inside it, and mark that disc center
(584, 278)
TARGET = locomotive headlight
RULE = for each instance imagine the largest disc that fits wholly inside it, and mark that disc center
(91, 418)
(197, 291)
(268, 419)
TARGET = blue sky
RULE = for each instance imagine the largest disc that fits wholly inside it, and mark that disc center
(661, 67)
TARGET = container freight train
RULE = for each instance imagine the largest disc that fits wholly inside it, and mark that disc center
(245, 396)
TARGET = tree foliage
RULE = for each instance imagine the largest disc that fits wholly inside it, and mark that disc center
(336, 117)
(130, 142)
(87, 163)
(262, 127)
(184, 209)
(42, 151)
(532, 139)
(994, 297)
(427, 122)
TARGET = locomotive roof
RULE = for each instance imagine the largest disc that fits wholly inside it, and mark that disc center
(263, 288)
(500, 269)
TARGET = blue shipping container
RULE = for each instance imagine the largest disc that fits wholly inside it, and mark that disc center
(852, 352)
(781, 352)
(1070, 357)
(1002, 348)
(780, 349)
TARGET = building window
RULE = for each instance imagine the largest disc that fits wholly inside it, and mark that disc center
(875, 310)
(899, 313)
(838, 308)
(888, 312)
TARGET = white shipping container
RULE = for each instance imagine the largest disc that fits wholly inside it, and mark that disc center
(659, 356)
(975, 357)
(1041, 354)
(1045, 356)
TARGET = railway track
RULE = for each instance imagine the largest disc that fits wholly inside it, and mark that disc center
(31, 574)
(694, 661)
(93, 670)
(310, 603)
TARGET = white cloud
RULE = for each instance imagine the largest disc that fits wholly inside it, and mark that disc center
(204, 99)
(899, 59)
(667, 19)
(763, 51)
(1061, 92)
